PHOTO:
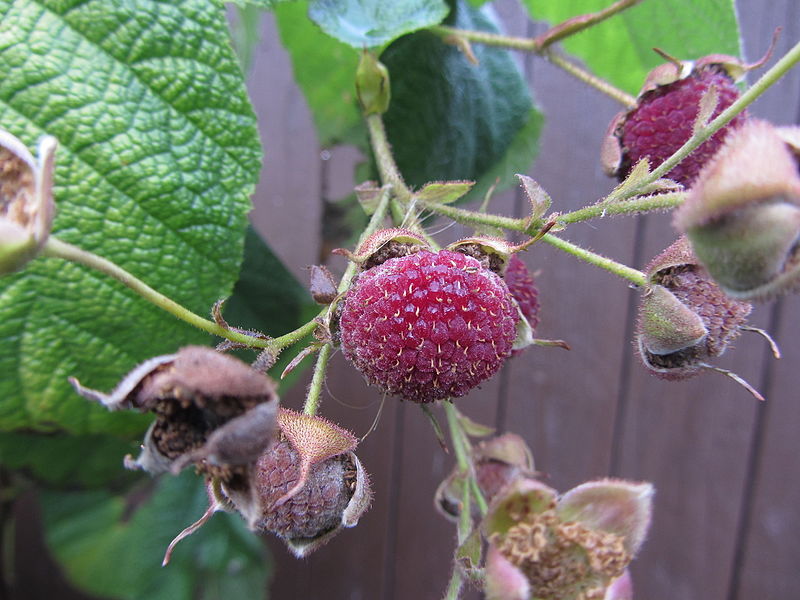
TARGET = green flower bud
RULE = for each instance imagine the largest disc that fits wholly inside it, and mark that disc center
(743, 215)
(372, 85)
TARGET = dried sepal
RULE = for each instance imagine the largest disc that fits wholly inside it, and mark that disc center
(26, 200)
(212, 410)
(315, 439)
(383, 245)
(743, 215)
(618, 506)
(368, 194)
(322, 285)
(504, 580)
(492, 252)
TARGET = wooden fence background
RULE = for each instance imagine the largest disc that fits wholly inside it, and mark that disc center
(726, 468)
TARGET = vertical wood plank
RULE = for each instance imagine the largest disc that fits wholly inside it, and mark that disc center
(694, 439)
(769, 544)
(286, 204)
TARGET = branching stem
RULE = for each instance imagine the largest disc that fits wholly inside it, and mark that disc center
(636, 277)
(314, 393)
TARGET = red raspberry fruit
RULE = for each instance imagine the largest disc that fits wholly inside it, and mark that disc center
(663, 121)
(522, 286)
(428, 326)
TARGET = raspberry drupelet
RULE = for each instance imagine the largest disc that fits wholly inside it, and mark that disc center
(428, 326)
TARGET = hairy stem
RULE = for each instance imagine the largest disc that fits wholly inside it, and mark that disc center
(532, 45)
(385, 159)
(581, 22)
(638, 205)
(317, 381)
(59, 249)
(636, 277)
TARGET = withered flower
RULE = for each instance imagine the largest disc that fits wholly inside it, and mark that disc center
(497, 462)
(573, 547)
(305, 488)
(26, 200)
(308, 485)
(212, 410)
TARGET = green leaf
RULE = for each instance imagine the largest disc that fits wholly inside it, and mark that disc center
(370, 23)
(158, 155)
(620, 49)
(112, 546)
(325, 69)
(452, 120)
(68, 460)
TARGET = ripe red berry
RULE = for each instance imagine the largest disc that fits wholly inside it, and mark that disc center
(522, 286)
(664, 118)
(428, 326)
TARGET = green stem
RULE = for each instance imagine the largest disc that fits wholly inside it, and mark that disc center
(769, 78)
(461, 448)
(315, 388)
(462, 459)
(471, 217)
(532, 45)
(314, 393)
(636, 277)
(59, 249)
(639, 205)
(589, 78)
(463, 531)
(383, 156)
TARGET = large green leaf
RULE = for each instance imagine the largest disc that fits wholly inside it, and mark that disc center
(621, 48)
(324, 68)
(370, 23)
(158, 155)
(450, 119)
(112, 546)
(65, 460)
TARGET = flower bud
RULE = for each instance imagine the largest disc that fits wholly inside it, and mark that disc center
(211, 409)
(572, 547)
(26, 200)
(372, 85)
(743, 215)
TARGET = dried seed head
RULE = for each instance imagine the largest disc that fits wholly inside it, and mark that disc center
(26, 200)
(307, 486)
(211, 410)
(743, 215)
